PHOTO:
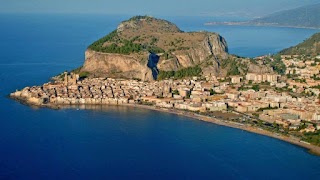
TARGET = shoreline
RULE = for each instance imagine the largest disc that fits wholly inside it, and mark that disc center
(312, 149)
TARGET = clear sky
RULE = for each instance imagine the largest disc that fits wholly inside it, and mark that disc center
(152, 7)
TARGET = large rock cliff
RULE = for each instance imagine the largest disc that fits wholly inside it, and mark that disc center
(124, 52)
(100, 64)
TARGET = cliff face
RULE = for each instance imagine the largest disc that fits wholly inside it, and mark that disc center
(124, 53)
(212, 48)
(115, 66)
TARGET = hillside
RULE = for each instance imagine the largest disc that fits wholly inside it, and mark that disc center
(302, 17)
(148, 48)
(306, 16)
(142, 33)
(142, 46)
(310, 46)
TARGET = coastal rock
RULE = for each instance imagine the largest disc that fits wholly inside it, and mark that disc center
(124, 52)
(115, 66)
(213, 47)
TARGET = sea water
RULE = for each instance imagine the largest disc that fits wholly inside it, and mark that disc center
(110, 142)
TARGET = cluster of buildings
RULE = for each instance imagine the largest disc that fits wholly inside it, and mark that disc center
(258, 78)
(196, 95)
(304, 71)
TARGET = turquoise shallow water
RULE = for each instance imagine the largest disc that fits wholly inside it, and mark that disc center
(121, 142)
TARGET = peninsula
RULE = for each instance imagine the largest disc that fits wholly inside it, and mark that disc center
(192, 74)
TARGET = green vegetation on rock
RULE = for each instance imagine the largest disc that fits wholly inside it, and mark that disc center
(310, 46)
(129, 38)
(83, 75)
(234, 66)
(278, 65)
(185, 72)
(124, 47)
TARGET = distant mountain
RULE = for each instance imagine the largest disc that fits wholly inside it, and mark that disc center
(310, 46)
(306, 16)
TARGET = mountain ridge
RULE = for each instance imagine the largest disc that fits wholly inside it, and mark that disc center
(305, 16)
(301, 17)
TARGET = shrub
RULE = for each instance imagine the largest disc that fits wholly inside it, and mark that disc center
(186, 72)
(84, 74)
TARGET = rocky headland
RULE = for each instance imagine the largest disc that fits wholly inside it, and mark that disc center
(124, 65)
(124, 53)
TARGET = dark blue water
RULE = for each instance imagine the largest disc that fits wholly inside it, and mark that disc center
(120, 142)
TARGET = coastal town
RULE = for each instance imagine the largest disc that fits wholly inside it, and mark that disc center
(166, 89)
(290, 102)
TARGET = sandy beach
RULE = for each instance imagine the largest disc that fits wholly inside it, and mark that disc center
(311, 148)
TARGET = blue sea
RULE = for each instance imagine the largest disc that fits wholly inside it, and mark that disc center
(113, 142)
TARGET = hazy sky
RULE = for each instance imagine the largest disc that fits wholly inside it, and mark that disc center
(152, 7)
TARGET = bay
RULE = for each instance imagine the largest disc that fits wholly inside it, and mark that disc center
(121, 142)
